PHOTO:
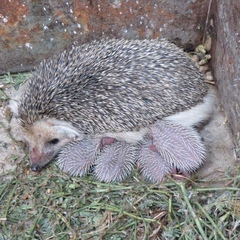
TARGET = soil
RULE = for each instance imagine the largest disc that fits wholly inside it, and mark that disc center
(221, 150)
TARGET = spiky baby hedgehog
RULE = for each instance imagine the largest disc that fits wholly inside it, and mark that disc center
(167, 147)
(113, 88)
(108, 163)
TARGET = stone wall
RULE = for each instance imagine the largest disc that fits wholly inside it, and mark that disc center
(33, 30)
(226, 58)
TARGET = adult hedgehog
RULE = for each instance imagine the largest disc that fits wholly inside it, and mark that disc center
(109, 88)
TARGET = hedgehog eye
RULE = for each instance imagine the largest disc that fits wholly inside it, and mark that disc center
(54, 141)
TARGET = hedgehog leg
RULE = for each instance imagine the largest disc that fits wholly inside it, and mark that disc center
(180, 146)
(79, 156)
(115, 162)
(153, 166)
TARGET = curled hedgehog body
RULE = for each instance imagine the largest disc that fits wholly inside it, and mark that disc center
(109, 88)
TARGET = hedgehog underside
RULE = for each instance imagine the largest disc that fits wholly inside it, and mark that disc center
(167, 148)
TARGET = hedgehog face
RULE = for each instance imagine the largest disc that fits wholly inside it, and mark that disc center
(45, 138)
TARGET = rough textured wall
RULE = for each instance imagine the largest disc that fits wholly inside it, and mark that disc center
(226, 57)
(33, 30)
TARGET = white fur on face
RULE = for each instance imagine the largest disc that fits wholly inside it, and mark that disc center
(46, 138)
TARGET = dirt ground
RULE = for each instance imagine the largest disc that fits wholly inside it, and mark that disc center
(221, 157)
(221, 149)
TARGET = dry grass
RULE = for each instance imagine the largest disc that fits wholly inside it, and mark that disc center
(53, 205)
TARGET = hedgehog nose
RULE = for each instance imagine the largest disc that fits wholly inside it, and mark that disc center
(35, 167)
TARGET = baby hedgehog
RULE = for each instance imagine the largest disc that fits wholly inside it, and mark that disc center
(168, 147)
(108, 163)
(109, 89)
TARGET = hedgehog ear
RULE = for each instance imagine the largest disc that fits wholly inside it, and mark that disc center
(67, 131)
(64, 128)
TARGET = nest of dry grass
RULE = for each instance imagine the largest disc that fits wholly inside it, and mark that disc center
(53, 205)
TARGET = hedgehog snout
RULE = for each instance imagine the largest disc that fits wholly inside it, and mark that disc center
(41, 156)
(35, 168)
(35, 159)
